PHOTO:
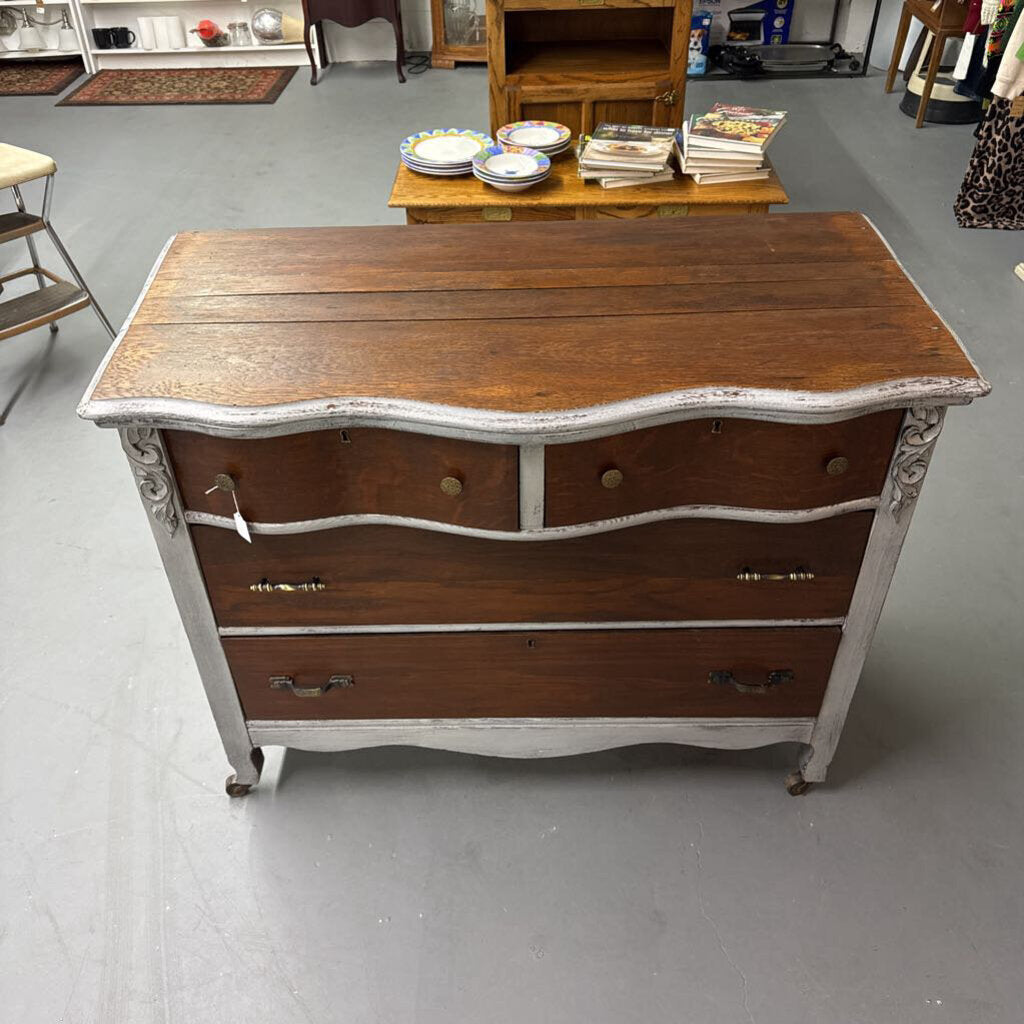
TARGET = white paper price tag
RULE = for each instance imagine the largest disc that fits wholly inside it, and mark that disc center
(242, 527)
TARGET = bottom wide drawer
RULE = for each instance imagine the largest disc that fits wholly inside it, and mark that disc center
(602, 674)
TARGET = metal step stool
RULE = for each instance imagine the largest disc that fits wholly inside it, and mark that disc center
(55, 297)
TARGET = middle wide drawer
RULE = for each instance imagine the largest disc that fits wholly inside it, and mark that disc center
(691, 569)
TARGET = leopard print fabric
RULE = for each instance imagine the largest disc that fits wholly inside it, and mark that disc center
(992, 193)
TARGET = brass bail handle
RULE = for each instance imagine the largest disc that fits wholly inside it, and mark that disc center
(778, 676)
(288, 683)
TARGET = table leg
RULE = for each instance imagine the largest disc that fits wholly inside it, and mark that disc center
(399, 41)
(306, 38)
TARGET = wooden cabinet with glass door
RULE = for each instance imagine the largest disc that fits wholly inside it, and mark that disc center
(579, 62)
(458, 28)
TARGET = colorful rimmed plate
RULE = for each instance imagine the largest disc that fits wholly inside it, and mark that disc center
(435, 173)
(546, 136)
(444, 147)
(446, 172)
(511, 163)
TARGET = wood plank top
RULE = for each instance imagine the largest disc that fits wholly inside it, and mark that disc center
(564, 187)
(544, 330)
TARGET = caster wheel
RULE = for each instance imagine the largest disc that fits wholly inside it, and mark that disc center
(796, 784)
(233, 788)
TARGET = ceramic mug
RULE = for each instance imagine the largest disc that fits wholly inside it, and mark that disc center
(113, 38)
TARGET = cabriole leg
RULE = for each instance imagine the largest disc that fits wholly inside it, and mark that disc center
(244, 778)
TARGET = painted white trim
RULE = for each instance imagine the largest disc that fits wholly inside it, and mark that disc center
(530, 737)
(753, 515)
(189, 589)
(528, 627)
(552, 427)
(105, 361)
(892, 520)
(531, 486)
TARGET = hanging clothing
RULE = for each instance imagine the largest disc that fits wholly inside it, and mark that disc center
(992, 193)
(1000, 27)
(963, 61)
(973, 22)
(1009, 82)
(977, 80)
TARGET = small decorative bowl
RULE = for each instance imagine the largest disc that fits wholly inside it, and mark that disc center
(545, 136)
(511, 162)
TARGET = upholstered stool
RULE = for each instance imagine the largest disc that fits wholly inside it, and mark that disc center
(55, 297)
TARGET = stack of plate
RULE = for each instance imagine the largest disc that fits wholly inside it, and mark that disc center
(511, 168)
(546, 137)
(443, 151)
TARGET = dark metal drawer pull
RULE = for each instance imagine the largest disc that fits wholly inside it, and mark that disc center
(723, 677)
(266, 587)
(798, 575)
(288, 683)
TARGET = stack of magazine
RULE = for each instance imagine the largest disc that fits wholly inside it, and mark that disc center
(626, 154)
(727, 143)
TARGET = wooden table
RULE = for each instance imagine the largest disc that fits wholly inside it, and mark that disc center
(565, 196)
(534, 489)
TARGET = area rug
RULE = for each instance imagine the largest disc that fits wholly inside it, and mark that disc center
(180, 86)
(38, 77)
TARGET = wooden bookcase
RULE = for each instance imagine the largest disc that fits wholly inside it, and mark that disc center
(580, 62)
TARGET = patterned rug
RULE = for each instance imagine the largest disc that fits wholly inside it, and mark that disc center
(180, 85)
(38, 77)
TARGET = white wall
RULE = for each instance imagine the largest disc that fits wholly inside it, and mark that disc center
(811, 20)
(376, 39)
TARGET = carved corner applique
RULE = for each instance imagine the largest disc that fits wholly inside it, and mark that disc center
(142, 446)
(921, 428)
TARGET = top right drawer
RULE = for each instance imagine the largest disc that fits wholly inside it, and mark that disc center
(743, 463)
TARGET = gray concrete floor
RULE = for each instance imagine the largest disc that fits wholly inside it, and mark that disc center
(399, 886)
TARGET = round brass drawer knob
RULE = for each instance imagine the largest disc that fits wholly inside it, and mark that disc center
(837, 466)
(611, 478)
(452, 486)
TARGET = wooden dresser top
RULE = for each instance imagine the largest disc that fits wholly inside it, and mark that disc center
(528, 329)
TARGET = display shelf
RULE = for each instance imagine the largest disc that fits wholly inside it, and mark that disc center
(37, 54)
(136, 51)
(591, 60)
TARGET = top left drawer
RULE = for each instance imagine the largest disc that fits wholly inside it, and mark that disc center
(350, 472)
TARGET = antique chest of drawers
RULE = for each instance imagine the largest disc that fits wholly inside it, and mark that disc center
(531, 489)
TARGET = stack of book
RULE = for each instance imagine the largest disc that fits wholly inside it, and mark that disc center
(727, 143)
(626, 154)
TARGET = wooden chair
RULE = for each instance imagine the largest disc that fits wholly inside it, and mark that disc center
(946, 21)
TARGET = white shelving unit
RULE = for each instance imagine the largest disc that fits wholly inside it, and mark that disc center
(49, 33)
(110, 13)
